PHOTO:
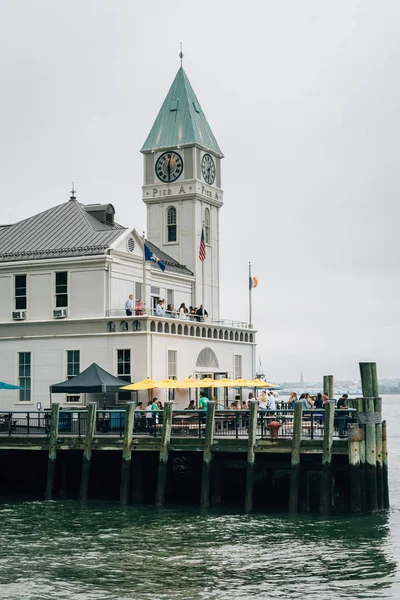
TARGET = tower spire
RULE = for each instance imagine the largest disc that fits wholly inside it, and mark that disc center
(181, 55)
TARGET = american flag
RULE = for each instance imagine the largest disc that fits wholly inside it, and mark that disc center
(202, 249)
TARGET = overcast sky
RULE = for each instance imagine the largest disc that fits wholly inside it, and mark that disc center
(303, 98)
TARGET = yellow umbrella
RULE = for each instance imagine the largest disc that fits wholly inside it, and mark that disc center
(167, 384)
(261, 384)
(189, 382)
(241, 383)
(207, 382)
(224, 382)
(145, 384)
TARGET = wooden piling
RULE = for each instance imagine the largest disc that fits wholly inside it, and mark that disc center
(126, 454)
(369, 384)
(163, 459)
(51, 464)
(207, 456)
(359, 405)
(386, 502)
(355, 437)
(379, 459)
(295, 458)
(87, 451)
(328, 385)
(325, 501)
(251, 456)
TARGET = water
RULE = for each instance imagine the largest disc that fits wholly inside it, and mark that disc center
(65, 550)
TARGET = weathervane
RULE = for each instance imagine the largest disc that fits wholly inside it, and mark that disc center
(181, 54)
(73, 191)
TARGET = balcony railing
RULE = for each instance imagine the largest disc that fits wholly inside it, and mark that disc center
(176, 316)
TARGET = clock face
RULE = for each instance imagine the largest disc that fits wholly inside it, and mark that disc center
(169, 166)
(208, 168)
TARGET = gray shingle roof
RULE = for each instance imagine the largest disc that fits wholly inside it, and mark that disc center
(67, 230)
(62, 231)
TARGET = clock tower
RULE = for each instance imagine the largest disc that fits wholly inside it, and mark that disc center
(182, 189)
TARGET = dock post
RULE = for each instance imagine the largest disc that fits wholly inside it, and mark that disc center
(126, 454)
(370, 391)
(386, 503)
(163, 460)
(379, 451)
(359, 405)
(251, 456)
(328, 385)
(87, 450)
(295, 459)
(51, 465)
(325, 501)
(207, 456)
(355, 436)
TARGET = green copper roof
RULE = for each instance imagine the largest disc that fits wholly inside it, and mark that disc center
(181, 120)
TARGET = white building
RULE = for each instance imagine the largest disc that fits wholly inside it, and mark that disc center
(66, 273)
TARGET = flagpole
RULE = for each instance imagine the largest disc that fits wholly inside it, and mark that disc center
(202, 277)
(144, 276)
(250, 307)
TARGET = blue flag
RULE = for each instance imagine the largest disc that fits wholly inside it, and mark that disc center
(149, 255)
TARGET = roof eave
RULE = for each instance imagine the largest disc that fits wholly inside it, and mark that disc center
(216, 153)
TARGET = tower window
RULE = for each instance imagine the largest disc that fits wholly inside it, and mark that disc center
(171, 224)
(207, 225)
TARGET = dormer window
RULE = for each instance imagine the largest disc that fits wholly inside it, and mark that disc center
(171, 224)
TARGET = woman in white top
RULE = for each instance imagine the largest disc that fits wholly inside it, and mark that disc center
(182, 311)
(262, 401)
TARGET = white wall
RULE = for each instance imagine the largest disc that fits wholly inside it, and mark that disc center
(148, 359)
(86, 293)
(6, 297)
(40, 289)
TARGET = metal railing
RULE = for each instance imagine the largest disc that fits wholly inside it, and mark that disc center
(25, 423)
(176, 316)
(271, 424)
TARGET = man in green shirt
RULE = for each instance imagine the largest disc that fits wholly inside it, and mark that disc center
(203, 401)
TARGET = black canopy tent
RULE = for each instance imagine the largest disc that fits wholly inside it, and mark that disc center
(93, 380)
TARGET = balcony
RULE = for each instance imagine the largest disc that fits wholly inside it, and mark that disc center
(217, 329)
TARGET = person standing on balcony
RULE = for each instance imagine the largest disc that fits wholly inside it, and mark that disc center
(201, 313)
(129, 305)
(139, 308)
(182, 311)
(160, 308)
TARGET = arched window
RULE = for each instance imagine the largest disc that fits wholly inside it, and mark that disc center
(207, 225)
(171, 224)
(208, 359)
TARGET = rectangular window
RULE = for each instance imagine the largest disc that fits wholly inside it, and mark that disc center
(73, 399)
(62, 290)
(24, 376)
(170, 296)
(155, 290)
(20, 292)
(124, 372)
(238, 366)
(138, 292)
(172, 371)
(73, 363)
